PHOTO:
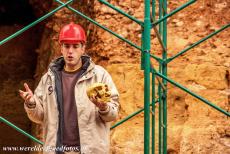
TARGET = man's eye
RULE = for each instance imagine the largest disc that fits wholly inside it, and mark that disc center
(66, 46)
(77, 46)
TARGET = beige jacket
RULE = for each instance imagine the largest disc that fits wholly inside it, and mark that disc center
(94, 126)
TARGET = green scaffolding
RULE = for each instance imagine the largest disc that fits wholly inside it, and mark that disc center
(160, 27)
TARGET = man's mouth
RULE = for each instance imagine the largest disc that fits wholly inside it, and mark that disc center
(70, 57)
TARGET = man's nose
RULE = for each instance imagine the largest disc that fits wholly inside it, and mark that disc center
(70, 50)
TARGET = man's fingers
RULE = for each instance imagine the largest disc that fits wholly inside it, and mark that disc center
(21, 93)
(94, 100)
(28, 96)
(98, 103)
(24, 94)
(27, 87)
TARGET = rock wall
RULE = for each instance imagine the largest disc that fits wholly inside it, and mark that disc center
(15, 69)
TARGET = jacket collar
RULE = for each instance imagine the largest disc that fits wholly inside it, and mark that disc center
(89, 71)
(58, 65)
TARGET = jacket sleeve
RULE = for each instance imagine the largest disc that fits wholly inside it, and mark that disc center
(37, 114)
(112, 112)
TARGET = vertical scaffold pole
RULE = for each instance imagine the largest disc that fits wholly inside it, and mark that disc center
(153, 113)
(153, 90)
(160, 140)
(159, 115)
(164, 71)
(146, 50)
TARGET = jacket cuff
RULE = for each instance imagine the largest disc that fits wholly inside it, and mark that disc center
(110, 114)
(30, 108)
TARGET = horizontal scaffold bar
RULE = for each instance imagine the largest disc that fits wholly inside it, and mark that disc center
(34, 23)
(197, 43)
(129, 117)
(173, 12)
(38, 141)
(122, 12)
(191, 93)
(99, 25)
(108, 30)
(157, 58)
(20, 130)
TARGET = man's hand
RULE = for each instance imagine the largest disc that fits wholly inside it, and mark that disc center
(99, 94)
(28, 96)
(101, 105)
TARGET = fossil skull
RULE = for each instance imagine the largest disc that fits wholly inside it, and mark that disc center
(100, 91)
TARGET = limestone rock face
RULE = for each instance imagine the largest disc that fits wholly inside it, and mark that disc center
(193, 126)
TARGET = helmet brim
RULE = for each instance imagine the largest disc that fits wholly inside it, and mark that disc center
(71, 41)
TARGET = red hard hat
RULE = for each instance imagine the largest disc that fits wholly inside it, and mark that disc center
(72, 33)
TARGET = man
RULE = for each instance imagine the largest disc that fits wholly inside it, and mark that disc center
(71, 121)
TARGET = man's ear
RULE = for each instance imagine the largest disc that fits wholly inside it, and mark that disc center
(83, 48)
(84, 45)
(61, 48)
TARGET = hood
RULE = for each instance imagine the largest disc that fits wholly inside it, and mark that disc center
(58, 64)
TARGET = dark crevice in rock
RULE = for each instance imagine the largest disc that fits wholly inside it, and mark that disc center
(18, 59)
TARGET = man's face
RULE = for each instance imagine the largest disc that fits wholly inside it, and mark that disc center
(72, 53)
